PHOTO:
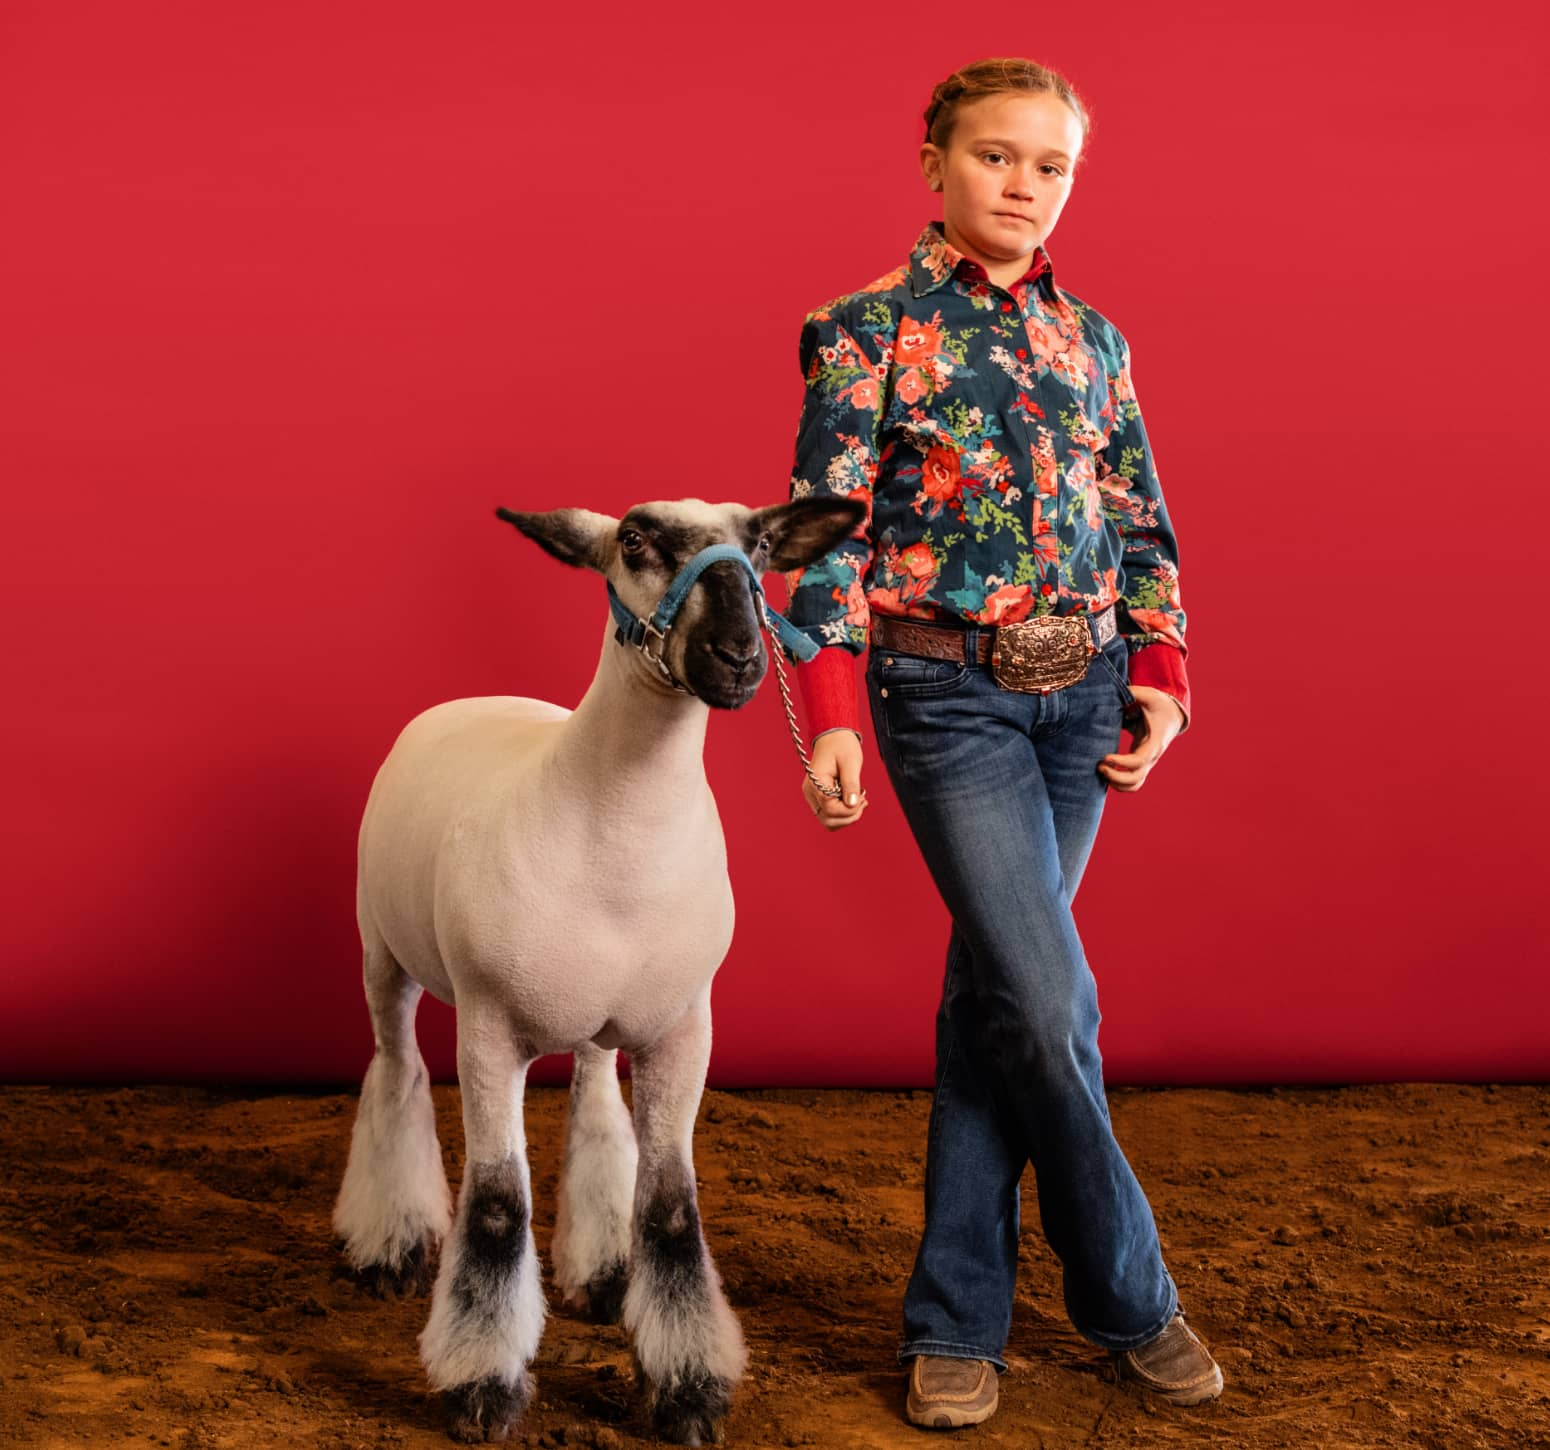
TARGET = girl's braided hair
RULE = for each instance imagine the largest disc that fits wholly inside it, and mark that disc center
(993, 77)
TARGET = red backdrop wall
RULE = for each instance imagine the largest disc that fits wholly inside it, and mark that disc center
(294, 295)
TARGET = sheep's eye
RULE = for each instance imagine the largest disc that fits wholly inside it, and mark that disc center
(764, 543)
(631, 541)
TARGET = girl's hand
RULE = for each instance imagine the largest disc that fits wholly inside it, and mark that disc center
(1150, 735)
(836, 756)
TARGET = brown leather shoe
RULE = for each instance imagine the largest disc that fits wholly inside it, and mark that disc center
(1175, 1365)
(947, 1393)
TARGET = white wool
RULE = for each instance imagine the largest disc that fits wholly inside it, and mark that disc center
(679, 1338)
(394, 1196)
(499, 1342)
(597, 1185)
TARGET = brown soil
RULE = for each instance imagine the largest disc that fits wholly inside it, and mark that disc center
(1369, 1264)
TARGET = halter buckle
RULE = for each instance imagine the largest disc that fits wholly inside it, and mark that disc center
(647, 629)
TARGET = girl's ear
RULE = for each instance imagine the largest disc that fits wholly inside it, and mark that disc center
(574, 536)
(931, 165)
(807, 528)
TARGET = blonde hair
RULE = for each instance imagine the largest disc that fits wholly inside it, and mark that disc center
(993, 77)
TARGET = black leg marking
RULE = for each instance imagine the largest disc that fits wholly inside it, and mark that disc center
(494, 1233)
(690, 1411)
(487, 1409)
(605, 1293)
(413, 1275)
(671, 1246)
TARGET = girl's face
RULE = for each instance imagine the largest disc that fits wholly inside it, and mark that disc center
(1005, 173)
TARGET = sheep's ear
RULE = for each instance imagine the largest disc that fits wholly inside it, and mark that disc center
(807, 528)
(574, 536)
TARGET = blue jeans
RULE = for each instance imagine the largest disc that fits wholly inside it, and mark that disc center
(1002, 793)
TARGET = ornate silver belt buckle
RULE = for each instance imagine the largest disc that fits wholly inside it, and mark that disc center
(1043, 654)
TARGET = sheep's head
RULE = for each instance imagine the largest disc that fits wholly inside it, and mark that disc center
(714, 646)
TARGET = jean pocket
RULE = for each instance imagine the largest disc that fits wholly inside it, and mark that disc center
(914, 676)
(1119, 672)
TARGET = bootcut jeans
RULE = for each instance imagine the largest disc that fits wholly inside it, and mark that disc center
(1001, 791)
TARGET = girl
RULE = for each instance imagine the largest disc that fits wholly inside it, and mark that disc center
(1017, 581)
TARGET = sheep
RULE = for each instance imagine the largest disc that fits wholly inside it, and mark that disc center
(560, 877)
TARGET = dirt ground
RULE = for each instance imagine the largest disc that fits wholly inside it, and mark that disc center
(1370, 1265)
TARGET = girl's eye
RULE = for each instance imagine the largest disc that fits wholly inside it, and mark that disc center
(994, 156)
(631, 542)
(1052, 169)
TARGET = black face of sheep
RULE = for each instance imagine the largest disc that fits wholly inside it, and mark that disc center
(714, 647)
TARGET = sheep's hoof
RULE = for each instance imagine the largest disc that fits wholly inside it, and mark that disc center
(691, 1411)
(605, 1294)
(413, 1274)
(487, 1409)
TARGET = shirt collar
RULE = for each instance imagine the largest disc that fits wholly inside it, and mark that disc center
(934, 259)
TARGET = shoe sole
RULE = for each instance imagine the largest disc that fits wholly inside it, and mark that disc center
(946, 1417)
(1183, 1395)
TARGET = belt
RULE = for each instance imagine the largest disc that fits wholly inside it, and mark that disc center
(946, 641)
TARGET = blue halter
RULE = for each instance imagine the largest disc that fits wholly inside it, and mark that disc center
(636, 631)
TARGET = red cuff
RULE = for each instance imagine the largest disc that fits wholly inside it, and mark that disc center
(828, 688)
(1161, 666)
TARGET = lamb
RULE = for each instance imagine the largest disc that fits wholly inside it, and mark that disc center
(560, 876)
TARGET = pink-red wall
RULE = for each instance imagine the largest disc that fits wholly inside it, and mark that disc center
(292, 295)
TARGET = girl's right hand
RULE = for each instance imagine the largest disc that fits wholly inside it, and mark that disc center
(836, 756)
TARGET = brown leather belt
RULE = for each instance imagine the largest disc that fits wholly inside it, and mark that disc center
(946, 641)
(1037, 655)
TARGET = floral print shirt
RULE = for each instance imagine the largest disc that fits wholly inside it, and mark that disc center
(995, 436)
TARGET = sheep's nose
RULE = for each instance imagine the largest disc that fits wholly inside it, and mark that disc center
(739, 663)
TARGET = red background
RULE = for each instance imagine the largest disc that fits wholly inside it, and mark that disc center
(295, 294)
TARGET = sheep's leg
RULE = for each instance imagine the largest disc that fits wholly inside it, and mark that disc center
(487, 1309)
(688, 1348)
(394, 1207)
(597, 1188)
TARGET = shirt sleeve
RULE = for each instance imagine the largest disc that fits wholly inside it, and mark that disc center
(1151, 613)
(844, 369)
(827, 685)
